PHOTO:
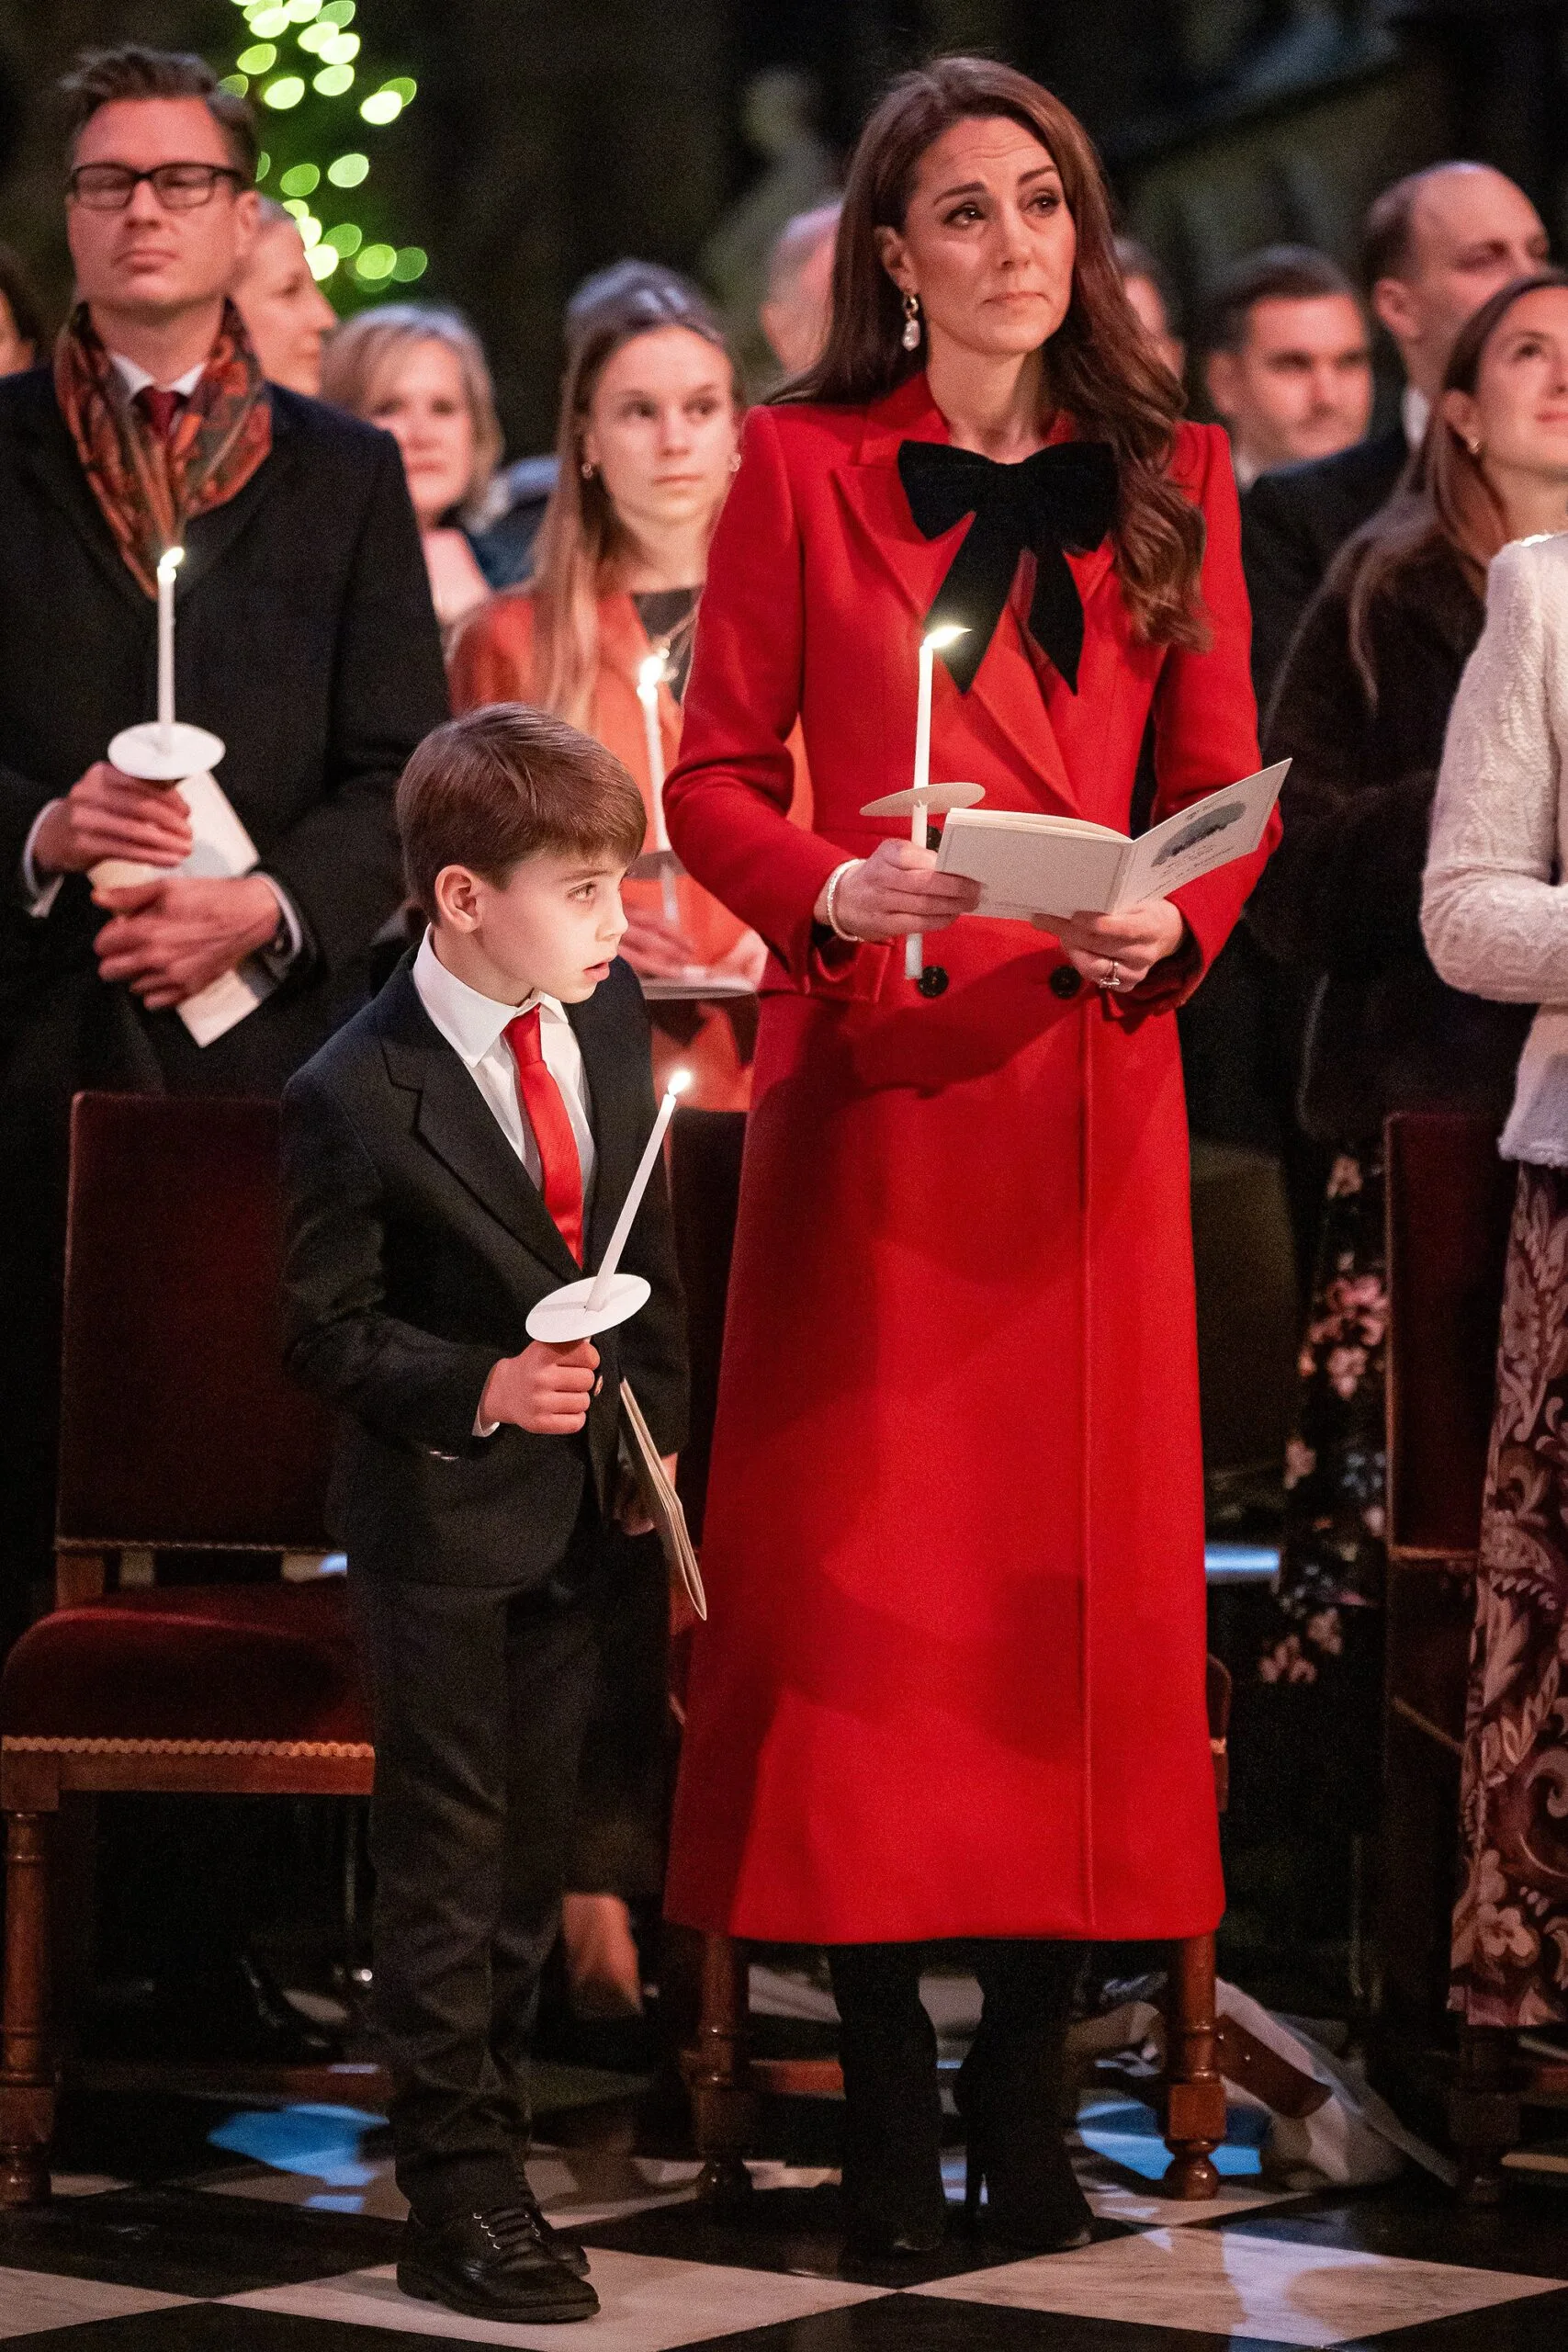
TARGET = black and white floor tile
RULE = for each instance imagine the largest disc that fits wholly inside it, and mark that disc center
(283, 2237)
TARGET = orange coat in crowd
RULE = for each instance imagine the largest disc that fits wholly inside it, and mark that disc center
(492, 660)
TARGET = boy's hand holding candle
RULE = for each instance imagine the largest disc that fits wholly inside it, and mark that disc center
(547, 1389)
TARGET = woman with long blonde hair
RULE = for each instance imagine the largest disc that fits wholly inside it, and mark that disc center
(649, 424)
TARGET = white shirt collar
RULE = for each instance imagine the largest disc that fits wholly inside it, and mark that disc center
(1415, 408)
(1245, 469)
(136, 379)
(470, 1023)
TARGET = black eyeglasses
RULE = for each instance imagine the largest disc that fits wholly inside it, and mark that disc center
(179, 187)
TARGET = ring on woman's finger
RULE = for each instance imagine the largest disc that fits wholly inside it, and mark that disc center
(1113, 978)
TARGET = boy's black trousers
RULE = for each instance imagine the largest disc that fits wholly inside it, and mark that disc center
(479, 1697)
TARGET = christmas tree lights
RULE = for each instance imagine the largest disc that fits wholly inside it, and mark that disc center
(317, 96)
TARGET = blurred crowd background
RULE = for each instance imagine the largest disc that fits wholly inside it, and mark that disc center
(691, 135)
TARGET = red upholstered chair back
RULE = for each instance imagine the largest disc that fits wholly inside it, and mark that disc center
(704, 1169)
(178, 1426)
(1449, 1198)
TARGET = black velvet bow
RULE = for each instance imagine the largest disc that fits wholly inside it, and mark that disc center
(1064, 497)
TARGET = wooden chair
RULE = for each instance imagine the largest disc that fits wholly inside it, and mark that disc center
(178, 1431)
(1450, 1202)
(726, 2080)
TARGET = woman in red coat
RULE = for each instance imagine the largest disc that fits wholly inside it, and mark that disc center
(952, 1684)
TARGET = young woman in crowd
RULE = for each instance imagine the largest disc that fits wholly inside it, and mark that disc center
(954, 1524)
(1495, 918)
(420, 371)
(650, 420)
(1360, 709)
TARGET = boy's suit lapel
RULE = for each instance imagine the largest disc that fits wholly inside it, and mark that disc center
(454, 1122)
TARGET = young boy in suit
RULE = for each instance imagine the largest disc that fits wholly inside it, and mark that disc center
(460, 1150)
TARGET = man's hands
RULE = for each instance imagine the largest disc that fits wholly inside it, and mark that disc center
(106, 814)
(167, 940)
(1135, 940)
(547, 1389)
(897, 890)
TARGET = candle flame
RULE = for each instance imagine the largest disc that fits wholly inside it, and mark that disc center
(678, 1082)
(649, 673)
(938, 638)
(170, 561)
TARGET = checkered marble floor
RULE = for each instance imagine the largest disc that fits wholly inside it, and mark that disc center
(286, 2241)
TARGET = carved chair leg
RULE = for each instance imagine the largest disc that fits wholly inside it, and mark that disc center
(1485, 2114)
(724, 2106)
(1195, 2092)
(26, 2071)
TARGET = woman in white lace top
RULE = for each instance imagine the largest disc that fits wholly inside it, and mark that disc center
(1494, 914)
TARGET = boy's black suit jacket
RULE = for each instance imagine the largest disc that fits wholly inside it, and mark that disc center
(417, 1245)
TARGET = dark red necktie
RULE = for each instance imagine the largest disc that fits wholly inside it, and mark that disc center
(561, 1170)
(160, 408)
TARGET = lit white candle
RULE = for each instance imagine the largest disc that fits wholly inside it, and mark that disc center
(169, 564)
(648, 677)
(931, 645)
(680, 1079)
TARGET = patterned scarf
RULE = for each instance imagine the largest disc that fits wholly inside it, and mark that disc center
(149, 490)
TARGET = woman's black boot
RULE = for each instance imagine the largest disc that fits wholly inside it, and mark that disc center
(893, 2194)
(1010, 2093)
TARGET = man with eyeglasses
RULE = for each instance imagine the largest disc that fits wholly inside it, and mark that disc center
(305, 639)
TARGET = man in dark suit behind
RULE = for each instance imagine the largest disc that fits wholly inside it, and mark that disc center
(305, 639)
(1435, 247)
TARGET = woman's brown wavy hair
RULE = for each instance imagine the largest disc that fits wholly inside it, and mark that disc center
(1099, 367)
(1444, 498)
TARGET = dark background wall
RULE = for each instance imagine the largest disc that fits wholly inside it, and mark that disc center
(551, 136)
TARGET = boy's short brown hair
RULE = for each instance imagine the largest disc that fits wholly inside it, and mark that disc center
(506, 783)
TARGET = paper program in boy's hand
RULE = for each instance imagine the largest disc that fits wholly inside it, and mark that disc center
(1028, 863)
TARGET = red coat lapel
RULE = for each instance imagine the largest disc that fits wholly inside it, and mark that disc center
(1006, 686)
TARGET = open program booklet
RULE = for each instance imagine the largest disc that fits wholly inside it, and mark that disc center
(1029, 864)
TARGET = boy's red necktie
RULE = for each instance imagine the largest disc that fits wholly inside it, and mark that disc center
(561, 1170)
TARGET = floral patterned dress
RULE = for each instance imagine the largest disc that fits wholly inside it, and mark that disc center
(1330, 1590)
(1510, 1934)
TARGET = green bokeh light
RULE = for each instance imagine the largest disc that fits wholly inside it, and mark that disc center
(236, 83)
(348, 237)
(286, 92)
(381, 107)
(412, 261)
(375, 263)
(404, 86)
(322, 260)
(349, 170)
(267, 23)
(300, 179)
(259, 59)
(334, 80)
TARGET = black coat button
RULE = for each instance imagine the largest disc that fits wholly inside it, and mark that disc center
(1066, 981)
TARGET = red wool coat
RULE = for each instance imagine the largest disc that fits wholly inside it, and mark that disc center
(953, 1679)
